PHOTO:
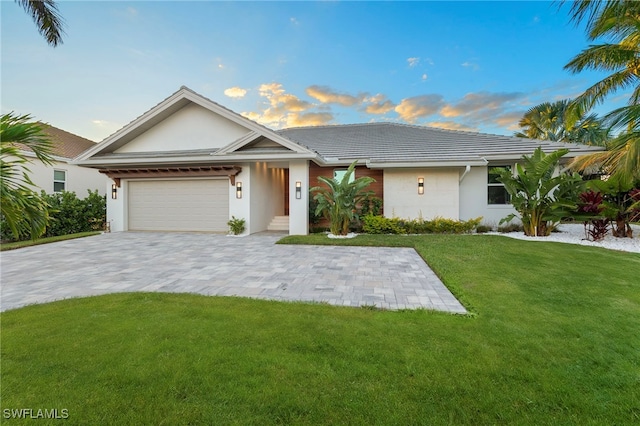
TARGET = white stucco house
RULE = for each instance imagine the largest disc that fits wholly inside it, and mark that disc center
(62, 175)
(190, 164)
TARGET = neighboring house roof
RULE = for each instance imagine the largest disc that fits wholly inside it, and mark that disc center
(385, 143)
(65, 145)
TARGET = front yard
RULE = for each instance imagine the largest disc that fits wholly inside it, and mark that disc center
(552, 339)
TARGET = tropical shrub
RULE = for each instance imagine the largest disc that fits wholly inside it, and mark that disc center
(371, 205)
(590, 208)
(236, 226)
(381, 225)
(384, 225)
(338, 200)
(68, 214)
(621, 203)
(540, 198)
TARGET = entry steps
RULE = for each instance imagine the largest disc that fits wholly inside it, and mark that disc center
(279, 223)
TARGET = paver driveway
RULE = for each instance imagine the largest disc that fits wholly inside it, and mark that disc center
(253, 266)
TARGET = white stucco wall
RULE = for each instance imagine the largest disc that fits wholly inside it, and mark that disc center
(240, 207)
(78, 179)
(440, 198)
(473, 198)
(299, 208)
(117, 209)
(192, 127)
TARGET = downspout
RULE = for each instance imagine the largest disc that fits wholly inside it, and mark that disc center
(467, 169)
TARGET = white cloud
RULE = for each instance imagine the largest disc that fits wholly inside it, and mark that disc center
(413, 62)
(424, 77)
(294, 21)
(471, 65)
(235, 92)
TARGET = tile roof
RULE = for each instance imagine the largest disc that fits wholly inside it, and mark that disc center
(392, 142)
(65, 144)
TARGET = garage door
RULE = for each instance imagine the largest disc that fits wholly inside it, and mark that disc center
(179, 205)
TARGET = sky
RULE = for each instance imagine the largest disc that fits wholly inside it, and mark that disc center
(473, 66)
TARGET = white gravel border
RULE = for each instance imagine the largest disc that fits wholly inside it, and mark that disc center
(573, 233)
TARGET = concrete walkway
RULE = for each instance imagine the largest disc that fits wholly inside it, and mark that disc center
(253, 266)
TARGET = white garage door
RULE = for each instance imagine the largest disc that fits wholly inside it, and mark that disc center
(179, 205)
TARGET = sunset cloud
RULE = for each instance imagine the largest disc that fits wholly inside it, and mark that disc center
(280, 106)
(480, 103)
(309, 119)
(235, 92)
(326, 95)
(410, 109)
(379, 104)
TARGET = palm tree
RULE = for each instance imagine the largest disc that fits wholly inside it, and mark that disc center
(21, 208)
(546, 121)
(45, 14)
(619, 21)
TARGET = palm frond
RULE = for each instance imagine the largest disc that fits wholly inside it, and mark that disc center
(46, 16)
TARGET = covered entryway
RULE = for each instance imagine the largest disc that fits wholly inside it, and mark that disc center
(179, 205)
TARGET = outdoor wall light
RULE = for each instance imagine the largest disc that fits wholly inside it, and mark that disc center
(420, 186)
(114, 191)
(298, 190)
(238, 189)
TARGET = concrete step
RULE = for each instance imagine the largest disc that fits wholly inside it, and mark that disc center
(279, 223)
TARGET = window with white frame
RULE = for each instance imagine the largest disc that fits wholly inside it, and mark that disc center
(59, 180)
(338, 174)
(497, 194)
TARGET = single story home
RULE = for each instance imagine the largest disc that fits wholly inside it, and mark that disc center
(190, 164)
(62, 174)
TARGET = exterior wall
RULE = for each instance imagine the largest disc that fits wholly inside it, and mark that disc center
(473, 198)
(299, 208)
(192, 127)
(241, 207)
(117, 208)
(78, 179)
(440, 198)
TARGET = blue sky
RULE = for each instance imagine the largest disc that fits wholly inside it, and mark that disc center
(461, 65)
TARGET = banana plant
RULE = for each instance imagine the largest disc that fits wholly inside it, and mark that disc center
(539, 195)
(337, 200)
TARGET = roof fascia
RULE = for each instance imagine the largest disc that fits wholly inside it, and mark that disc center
(424, 164)
(194, 159)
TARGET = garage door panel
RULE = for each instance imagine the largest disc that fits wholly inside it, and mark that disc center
(179, 205)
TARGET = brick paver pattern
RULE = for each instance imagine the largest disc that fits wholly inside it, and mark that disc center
(209, 264)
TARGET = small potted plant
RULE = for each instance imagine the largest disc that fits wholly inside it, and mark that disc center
(236, 226)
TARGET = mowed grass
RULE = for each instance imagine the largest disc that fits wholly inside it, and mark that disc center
(554, 338)
(28, 243)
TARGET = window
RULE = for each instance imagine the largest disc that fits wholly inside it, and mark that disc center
(338, 174)
(497, 194)
(59, 180)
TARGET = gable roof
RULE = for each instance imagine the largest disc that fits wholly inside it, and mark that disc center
(65, 145)
(402, 144)
(169, 106)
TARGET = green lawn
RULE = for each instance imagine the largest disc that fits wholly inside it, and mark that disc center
(47, 240)
(554, 339)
